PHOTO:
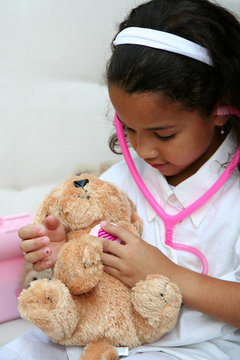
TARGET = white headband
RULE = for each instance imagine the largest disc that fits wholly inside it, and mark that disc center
(164, 41)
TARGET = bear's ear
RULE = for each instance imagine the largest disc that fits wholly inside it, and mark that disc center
(49, 205)
(135, 219)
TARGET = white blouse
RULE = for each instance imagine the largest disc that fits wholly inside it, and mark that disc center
(214, 229)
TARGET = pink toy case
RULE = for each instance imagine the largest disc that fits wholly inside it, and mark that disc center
(11, 262)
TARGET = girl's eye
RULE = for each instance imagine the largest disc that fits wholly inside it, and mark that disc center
(129, 129)
(164, 138)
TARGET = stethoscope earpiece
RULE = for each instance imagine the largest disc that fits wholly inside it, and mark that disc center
(227, 110)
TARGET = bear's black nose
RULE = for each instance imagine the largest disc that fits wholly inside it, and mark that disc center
(81, 183)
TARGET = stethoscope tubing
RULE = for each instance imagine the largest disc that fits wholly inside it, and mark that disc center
(171, 220)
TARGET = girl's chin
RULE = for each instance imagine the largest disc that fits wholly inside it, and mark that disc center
(168, 170)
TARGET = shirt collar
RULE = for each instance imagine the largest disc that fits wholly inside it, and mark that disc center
(181, 196)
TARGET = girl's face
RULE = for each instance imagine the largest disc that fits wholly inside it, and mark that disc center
(173, 140)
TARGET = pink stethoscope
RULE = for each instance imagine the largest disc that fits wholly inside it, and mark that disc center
(171, 220)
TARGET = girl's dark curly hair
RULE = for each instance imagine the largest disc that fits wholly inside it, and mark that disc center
(194, 84)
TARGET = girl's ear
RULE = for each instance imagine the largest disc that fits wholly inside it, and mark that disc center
(221, 114)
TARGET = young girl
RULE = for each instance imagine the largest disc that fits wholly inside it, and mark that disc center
(177, 101)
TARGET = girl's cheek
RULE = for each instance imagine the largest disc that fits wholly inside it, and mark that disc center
(133, 142)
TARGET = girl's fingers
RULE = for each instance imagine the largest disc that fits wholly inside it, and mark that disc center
(34, 244)
(120, 232)
(42, 265)
(34, 256)
(51, 222)
(31, 231)
(112, 271)
(111, 260)
(54, 229)
(111, 247)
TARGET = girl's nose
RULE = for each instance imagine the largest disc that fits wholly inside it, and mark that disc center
(145, 147)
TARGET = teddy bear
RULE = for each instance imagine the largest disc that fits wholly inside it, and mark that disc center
(82, 304)
(29, 274)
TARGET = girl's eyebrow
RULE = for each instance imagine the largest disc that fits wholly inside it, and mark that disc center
(162, 127)
(157, 128)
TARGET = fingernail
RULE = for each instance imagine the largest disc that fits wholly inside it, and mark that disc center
(48, 263)
(45, 240)
(46, 251)
(104, 223)
(41, 232)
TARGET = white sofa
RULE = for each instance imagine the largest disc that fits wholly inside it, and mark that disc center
(54, 108)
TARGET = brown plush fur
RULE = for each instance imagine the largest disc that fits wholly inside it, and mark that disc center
(82, 305)
(28, 275)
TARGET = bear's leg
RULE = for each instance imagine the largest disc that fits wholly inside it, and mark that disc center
(49, 305)
(157, 300)
(99, 351)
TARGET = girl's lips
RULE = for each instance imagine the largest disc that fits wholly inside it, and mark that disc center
(159, 166)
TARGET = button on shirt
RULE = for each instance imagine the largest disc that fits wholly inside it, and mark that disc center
(214, 229)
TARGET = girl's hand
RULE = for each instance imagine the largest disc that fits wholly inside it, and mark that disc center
(134, 260)
(42, 243)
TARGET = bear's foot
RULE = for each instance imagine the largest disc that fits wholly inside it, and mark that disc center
(99, 351)
(49, 305)
(157, 300)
